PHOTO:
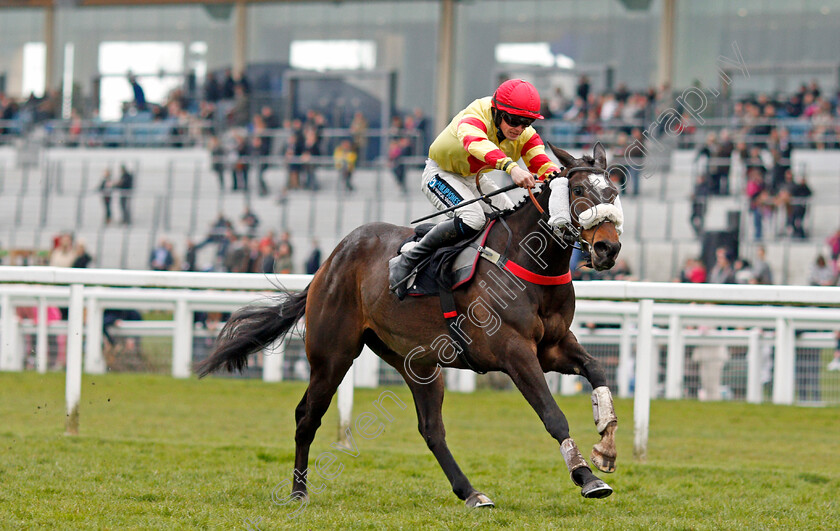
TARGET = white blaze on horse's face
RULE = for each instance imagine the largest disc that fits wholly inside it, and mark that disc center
(599, 181)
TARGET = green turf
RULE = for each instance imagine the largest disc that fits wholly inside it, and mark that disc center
(159, 453)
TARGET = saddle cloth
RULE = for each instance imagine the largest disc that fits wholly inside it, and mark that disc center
(451, 267)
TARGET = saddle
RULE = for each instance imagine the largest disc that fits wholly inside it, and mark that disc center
(445, 271)
(448, 268)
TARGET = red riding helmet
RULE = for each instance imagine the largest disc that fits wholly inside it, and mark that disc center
(518, 97)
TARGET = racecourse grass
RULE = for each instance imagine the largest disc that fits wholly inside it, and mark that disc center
(158, 453)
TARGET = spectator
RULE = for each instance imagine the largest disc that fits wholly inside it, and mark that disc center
(344, 158)
(260, 150)
(250, 222)
(228, 85)
(125, 185)
(237, 256)
(161, 258)
(722, 272)
(706, 155)
(743, 272)
(283, 259)
(311, 150)
(83, 258)
(693, 272)
(240, 168)
(114, 318)
(139, 95)
(699, 201)
(760, 268)
(359, 130)
(217, 159)
(64, 252)
(821, 273)
(800, 194)
(313, 262)
(269, 118)
(781, 152)
(834, 364)
(212, 90)
(190, 257)
(759, 200)
(722, 162)
(833, 243)
(106, 190)
(294, 149)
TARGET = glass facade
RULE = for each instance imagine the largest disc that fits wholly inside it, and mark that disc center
(783, 42)
(17, 28)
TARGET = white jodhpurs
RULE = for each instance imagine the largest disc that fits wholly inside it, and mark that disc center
(446, 190)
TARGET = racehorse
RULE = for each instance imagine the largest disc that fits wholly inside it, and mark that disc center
(348, 305)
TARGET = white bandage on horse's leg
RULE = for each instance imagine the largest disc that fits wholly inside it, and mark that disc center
(602, 408)
(558, 203)
(573, 457)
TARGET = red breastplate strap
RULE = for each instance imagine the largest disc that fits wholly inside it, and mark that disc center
(535, 278)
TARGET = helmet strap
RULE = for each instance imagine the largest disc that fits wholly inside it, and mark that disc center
(497, 121)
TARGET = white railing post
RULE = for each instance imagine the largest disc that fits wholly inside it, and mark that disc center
(675, 369)
(644, 364)
(624, 372)
(42, 349)
(785, 363)
(552, 380)
(8, 334)
(94, 360)
(73, 385)
(754, 366)
(273, 357)
(345, 405)
(568, 384)
(367, 369)
(183, 340)
(459, 380)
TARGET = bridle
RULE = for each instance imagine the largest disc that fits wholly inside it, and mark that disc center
(572, 235)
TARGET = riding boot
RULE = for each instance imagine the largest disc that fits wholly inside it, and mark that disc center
(403, 265)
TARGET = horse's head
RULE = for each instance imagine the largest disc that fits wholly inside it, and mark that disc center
(594, 207)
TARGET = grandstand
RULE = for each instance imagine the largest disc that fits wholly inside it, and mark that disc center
(229, 63)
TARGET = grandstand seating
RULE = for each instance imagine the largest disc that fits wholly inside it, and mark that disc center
(177, 196)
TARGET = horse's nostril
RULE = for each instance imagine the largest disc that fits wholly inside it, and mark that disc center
(605, 248)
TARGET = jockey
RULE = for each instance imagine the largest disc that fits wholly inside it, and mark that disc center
(492, 131)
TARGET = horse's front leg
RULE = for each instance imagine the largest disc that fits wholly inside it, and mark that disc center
(569, 357)
(525, 371)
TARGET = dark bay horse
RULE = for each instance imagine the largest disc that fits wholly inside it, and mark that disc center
(348, 304)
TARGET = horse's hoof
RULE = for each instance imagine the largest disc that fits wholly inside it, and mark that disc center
(596, 489)
(477, 499)
(603, 462)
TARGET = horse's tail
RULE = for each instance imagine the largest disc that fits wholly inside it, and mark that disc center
(251, 329)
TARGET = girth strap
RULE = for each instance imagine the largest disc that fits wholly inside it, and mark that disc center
(450, 313)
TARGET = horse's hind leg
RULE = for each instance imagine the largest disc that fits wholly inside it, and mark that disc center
(427, 388)
(428, 400)
(604, 452)
(330, 358)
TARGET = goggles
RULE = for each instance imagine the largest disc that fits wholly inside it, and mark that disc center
(516, 121)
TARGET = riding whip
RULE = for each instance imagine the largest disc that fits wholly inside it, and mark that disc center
(482, 197)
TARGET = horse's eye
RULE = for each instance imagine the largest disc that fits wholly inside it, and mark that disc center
(577, 190)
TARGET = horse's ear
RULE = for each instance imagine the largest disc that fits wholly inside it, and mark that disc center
(565, 159)
(600, 155)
